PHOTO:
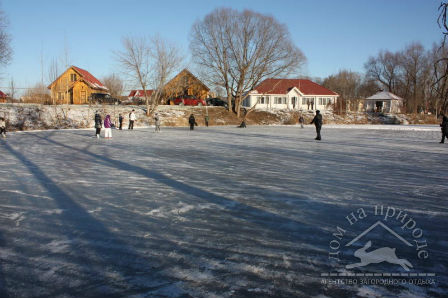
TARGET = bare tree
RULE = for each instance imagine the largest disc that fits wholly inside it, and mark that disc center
(440, 62)
(415, 68)
(166, 59)
(5, 40)
(346, 83)
(135, 61)
(53, 70)
(115, 85)
(150, 62)
(12, 89)
(385, 69)
(238, 50)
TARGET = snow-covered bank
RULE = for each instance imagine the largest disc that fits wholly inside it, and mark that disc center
(34, 116)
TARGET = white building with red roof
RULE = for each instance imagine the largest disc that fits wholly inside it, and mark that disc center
(292, 94)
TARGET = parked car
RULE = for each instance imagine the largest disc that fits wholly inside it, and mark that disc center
(217, 102)
(100, 98)
(188, 101)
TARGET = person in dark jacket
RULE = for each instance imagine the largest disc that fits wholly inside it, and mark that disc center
(98, 124)
(317, 120)
(301, 121)
(3, 127)
(120, 121)
(192, 122)
(444, 128)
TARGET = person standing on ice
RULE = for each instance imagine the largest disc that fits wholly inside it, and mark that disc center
(317, 120)
(107, 127)
(98, 124)
(444, 128)
(2, 127)
(157, 122)
(301, 121)
(131, 120)
(120, 121)
(192, 122)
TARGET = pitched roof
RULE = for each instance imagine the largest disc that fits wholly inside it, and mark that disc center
(140, 93)
(2, 95)
(384, 95)
(89, 78)
(283, 86)
(188, 73)
(85, 76)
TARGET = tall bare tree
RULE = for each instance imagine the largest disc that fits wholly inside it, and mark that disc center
(165, 60)
(237, 50)
(53, 70)
(5, 40)
(115, 85)
(12, 89)
(135, 61)
(385, 69)
(440, 62)
(149, 62)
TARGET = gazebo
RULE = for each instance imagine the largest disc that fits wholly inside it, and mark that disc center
(384, 102)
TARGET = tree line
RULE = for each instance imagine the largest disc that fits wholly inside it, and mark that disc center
(412, 73)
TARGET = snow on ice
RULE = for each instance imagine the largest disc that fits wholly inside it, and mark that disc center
(216, 212)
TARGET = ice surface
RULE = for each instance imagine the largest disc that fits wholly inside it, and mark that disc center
(216, 212)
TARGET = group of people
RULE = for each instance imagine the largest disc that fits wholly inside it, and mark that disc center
(108, 124)
(317, 121)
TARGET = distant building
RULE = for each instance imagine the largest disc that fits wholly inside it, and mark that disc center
(384, 102)
(75, 86)
(3, 96)
(139, 94)
(293, 94)
(185, 83)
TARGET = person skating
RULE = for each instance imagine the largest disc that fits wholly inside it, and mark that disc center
(3, 127)
(206, 120)
(243, 124)
(107, 127)
(444, 128)
(157, 122)
(120, 121)
(317, 120)
(131, 120)
(192, 122)
(98, 124)
(301, 121)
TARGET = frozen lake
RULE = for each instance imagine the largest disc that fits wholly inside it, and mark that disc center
(221, 211)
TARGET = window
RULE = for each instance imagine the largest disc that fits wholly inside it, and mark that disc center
(73, 77)
(279, 100)
(304, 101)
(83, 95)
(60, 95)
(261, 100)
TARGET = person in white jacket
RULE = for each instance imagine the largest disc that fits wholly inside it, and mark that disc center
(132, 118)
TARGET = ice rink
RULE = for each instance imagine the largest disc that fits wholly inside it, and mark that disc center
(219, 211)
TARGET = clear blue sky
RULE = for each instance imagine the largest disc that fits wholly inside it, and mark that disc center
(333, 34)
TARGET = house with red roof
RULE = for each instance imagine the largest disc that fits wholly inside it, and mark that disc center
(139, 94)
(76, 86)
(3, 96)
(293, 94)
